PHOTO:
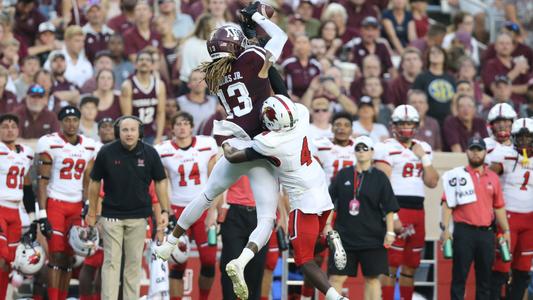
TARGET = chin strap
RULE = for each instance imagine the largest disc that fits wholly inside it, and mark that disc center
(525, 161)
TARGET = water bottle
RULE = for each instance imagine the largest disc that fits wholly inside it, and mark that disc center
(447, 249)
(504, 248)
(282, 241)
(212, 236)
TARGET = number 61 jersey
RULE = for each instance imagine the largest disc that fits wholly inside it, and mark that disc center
(68, 165)
(14, 165)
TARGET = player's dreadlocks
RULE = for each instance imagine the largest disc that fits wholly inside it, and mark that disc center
(215, 71)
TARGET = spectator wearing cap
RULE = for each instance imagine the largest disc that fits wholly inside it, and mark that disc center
(46, 42)
(106, 131)
(502, 91)
(434, 37)
(337, 13)
(526, 110)
(30, 66)
(365, 204)
(78, 68)
(89, 111)
(473, 234)
(102, 60)
(373, 89)
(121, 23)
(517, 69)
(35, 118)
(366, 125)
(320, 126)
(122, 67)
(96, 32)
(457, 130)
(62, 89)
(358, 10)
(428, 128)
(27, 16)
(182, 24)
(411, 66)
(370, 43)
(295, 28)
(305, 9)
(371, 68)
(141, 34)
(8, 100)
(109, 98)
(519, 49)
(398, 25)
(463, 27)
(521, 12)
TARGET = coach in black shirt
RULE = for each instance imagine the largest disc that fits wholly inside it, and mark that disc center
(365, 205)
(126, 166)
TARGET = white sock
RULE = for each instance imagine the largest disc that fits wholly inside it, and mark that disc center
(305, 298)
(245, 257)
(172, 239)
(332, 294)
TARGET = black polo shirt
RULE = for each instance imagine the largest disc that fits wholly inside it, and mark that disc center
(126, 177)
(362, 226)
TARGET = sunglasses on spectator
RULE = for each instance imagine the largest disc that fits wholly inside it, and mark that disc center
(361, 148)
(317, 110)
(37, 90)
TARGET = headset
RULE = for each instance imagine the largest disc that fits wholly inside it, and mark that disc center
(116, 126)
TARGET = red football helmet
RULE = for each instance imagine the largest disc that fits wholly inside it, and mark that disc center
(227, 40)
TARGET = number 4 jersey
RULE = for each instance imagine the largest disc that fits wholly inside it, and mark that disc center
(299, 174)
(14, 165)
(187, 168)
(68, 165)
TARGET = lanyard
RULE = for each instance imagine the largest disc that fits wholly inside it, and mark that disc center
(357, 183)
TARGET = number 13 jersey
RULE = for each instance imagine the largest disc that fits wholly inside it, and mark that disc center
(14, 165)
(68, 165)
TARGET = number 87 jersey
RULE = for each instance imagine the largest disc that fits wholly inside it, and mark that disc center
(68, 165)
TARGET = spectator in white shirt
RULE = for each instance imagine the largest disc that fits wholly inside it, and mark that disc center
(193, 50)
(320, 126)
(366, 123)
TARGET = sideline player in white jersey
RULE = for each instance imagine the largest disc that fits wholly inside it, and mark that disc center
(515, 166)
(501, 117)
(65, 158)
(15, 187)
(286, 146)
(337, 153)
(408, 164)
(188, 161)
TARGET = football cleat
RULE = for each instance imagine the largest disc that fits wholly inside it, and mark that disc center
(164, 250)
(236, 274)
(335, 244)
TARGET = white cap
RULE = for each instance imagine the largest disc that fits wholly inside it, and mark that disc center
(365, 140)
(46, 26)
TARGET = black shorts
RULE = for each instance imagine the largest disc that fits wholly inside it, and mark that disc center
(373, 263)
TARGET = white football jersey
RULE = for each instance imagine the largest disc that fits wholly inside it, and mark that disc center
(14, 165)
(492, 144)
(406, 178)
(517, 186)
(187, 168)
(68, 165)
(299, 174)
(333, 157)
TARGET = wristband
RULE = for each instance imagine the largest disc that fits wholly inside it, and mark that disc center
(507, 231)
(395, 217)
(42, 214)
(391, 233)
(164, 211)
(426, 161)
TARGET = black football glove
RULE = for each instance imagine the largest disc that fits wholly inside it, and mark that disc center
(172, 222)
(31, 234)
(249, 11)
(45, 227)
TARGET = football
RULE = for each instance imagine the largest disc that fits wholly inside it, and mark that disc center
(266, 10)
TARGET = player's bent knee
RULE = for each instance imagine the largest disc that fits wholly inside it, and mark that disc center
(176, 274)
(207, 271)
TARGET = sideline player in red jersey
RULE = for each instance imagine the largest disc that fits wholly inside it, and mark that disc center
(65, 160)
(188, 161)
(15, 186)
(239, 76)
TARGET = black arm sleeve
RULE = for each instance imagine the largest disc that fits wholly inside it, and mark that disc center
(278, 86)
(28, 199)
(251, 154)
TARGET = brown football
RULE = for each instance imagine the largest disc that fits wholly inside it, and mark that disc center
(266, 10)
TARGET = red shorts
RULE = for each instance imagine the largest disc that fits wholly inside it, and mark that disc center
(407, 252)
(521, 225)
(10, 232)
(304, 231)
(273, 252)
(208, 254)
(62, 216)
(96, 260)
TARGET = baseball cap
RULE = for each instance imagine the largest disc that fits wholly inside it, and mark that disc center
(502, 78)
(365, 140)
(91, 4)
(365, 100)
(68, 111)
(35, 90)
(295, 17)
(512, 26)
(370, 21)
(46, 26)
(106, 120)
(477, 142)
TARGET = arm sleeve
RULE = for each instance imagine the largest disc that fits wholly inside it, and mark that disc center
(251, 154)
(277, 83)
(158, 171)
(98, 171)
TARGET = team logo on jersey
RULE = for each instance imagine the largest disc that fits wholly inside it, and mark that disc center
(353, 207)
(140, 162)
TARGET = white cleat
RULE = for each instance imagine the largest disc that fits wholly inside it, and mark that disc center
(236, 274)
(335, 244)
(164, 250)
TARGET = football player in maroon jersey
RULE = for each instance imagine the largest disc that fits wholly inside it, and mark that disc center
(238, 75)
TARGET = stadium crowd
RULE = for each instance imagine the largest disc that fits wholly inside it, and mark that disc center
(381, 69)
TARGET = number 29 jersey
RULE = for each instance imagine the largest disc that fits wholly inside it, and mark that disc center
(68, 165)
(14, 165)
(187, 168)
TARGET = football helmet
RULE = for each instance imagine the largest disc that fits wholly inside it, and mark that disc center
(501, 111)
(83, 240)
(522, 136)
(226, 41)
(404, 113)
(279, 113)
(29, 257)
(181, 251)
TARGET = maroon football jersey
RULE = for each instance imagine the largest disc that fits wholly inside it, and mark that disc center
(144, 102)
(242, 92)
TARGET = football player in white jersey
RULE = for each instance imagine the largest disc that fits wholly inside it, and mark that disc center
(286, 146)
(500, 118)
(408, 164)
(188, 161)
(15, 186)
(337, 153)
(65, 158)
(515, 167)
